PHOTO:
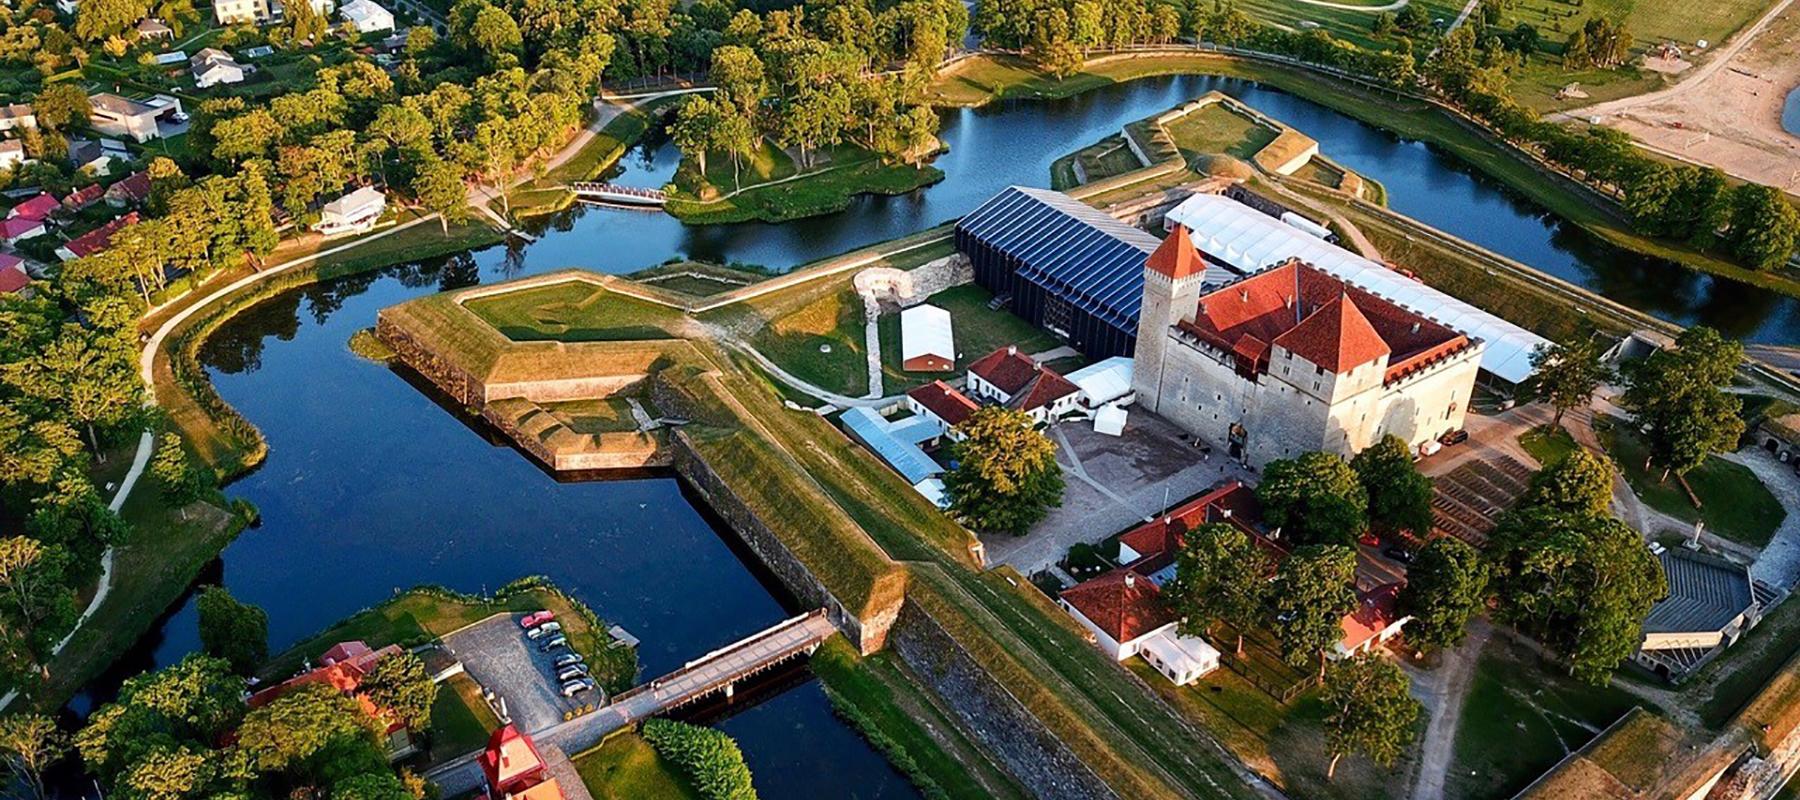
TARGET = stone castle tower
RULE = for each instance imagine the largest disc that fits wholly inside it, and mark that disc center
(1172, 278)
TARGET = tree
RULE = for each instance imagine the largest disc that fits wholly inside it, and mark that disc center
(692, 130)
(174, 471)
(402, 689)
(305, 23)
(736, 135)
(197, 699)
(1314, 499)
(1567, 373)
(1399, 497)
(237, 632)
(299, 724)
(61, 104)
(102, 18)
(1370, 710)
(29, 745)
(1006, 476)
(1221, 575)
(1445, 586)
(1314, 588)
(1677, 397)
(1764, 226)
(439, 186)
(1581, 483)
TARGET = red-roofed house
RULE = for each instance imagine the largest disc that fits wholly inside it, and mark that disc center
(1292, 359)
(943, 404)
(95, 240)
(343, 667)
(133, 190)
(1010, 378)
(514, 769)
(1127, 616)
(83, 197)
(39, 207)
(13, 277)
(16, 229)
(1376, 620)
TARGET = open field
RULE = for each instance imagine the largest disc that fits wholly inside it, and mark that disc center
(1522, 715)
(1733, 502)
(574, 311)
(625, 767)
(771, 188)
(1548, 445)
(1217, 129)
(821, 343)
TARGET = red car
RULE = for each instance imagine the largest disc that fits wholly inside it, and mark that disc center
(1370, 539)
(533, 620)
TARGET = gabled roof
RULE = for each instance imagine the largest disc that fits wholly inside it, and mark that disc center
(1122, 603)
(878, 435)
(925, 330)
(947, 403)
(510, 757)
(1006, 368)
(37, 207)
(1045, 388)
(12, 274)
(97, 239)
(1705, 594)
(14, 227)
(1176, 256)
(1156, 542)
(134, 188)
(1376, 609)
(84, 197)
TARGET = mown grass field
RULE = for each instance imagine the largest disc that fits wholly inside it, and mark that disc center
(1548, 445)
(460, 719)
(977, 331)
(625, 767)
(1734, 504)
(1217, 129)
(573, 311)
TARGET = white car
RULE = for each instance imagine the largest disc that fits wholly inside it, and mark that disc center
(573, 688)
(543, 630)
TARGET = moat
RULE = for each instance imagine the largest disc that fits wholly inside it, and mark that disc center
(372, 486)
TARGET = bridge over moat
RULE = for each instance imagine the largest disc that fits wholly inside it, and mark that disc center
(718, 671)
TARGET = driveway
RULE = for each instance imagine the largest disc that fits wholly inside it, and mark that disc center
(499, 657)
(1114, 483)
(1779, 562)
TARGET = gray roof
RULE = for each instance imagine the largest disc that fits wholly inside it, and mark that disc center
(1705, 594)
(1070, 248)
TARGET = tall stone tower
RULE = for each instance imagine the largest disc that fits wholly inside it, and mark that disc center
(1172, 278)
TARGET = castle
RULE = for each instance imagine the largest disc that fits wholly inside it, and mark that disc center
(1291, 359)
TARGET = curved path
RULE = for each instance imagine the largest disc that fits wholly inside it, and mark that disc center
(1394, 6)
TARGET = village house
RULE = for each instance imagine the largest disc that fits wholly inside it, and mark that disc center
(83, 197)
(515, 770)
(150, 29)
(343, 667)
(212, 66)
(1292, 359)
(1375, 622)
(12, 153)
(113, 115)
(240, 12)
(367, 16)
(40, 206)
(17, 229)
(355, 212)
(1012, 379)
(943, 405)
(13, 277)
(1127, 616)
(133, 190)
(95, 240)
(17, 115)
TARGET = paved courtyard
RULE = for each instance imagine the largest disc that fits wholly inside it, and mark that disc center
(1114, 483)
(499, 657)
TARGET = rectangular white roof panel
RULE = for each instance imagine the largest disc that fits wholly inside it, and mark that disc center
(925, 331)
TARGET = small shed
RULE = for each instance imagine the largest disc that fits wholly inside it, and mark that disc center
(927, 343)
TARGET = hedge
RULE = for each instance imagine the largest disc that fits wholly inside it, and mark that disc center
(709, 758)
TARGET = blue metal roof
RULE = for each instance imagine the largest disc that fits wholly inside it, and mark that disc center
(1071, 249)
(905, 457)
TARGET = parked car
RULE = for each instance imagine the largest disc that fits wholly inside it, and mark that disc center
(1398, 553)
(537, 618)
(553, 643)
(546, 629)
(572, 688)
(568, 659)
(577, 671)
(1369, 539)
(1454, 437)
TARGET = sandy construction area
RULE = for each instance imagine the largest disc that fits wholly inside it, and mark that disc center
(1727, 113)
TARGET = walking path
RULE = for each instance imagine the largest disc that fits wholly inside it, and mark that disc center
(1394, 6)
(872, 345)
(1693, 77)
(1779, 562)
(1443, 690)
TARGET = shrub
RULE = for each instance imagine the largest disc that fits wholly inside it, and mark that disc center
(709, 758)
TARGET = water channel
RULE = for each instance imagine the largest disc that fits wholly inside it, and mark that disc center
(371, 486)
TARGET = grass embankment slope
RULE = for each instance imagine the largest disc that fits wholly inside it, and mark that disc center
(573, 311)
(982, 79)
(625, 767)
(770, 187)
(548, 193)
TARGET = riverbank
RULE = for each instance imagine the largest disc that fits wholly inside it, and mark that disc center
(775, 189)
(549, 193)
(981, 80)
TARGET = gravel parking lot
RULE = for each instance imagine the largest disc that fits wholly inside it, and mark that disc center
(499, 657)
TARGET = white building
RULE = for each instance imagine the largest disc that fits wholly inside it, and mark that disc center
(113, 115)
(17, 115)
(1126, 615)
(1104, 383)
(240, 12)
(1010, 378)
(12, 153)
(367, 16)
(927, 343)
(353, 213)
(213, 66)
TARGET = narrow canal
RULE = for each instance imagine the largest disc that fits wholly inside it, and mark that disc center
(371, 487)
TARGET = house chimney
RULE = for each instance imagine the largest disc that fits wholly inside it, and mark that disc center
(1415, 327)
(1012, 349)
(1130, 579)
(1225, 512)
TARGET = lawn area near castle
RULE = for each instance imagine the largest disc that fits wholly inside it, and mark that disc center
(1215, 128)
(770, 186)
(978, 330)
(1547, 444)
(1734, 504)
(625, 767)
(573, 311)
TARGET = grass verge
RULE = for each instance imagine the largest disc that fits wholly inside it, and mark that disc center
(1734, 503)
(625, 767)
(1548, 445)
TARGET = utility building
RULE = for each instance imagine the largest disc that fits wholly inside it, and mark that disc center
(1061, 264)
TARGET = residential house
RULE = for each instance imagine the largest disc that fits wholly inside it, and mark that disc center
(12, 153)
(240, 12)
(133, 190)
(40, 206)
(13, 277)
(95, 240)
(122, 116)
(83, 197)
(18, 229)
(943, 405)
(212, 66)
(1010, 378)
(367, 16)
(151, 29)
(927, 343)
(17, 115)
(1126, 615)
(1375, 622)
(352, 213)
(515, 770)
(343, 667)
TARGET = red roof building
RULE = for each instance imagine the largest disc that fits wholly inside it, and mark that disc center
(943, 401)
(1176, 257)
(514, 769)
(83, 197)
(343, 667)
(39, 207)
(1152, 546)
(95, 240)
(13, 229)
(134, 189)
(1376, 619)
(1015, 380)
(1121, 603)
(13, 277)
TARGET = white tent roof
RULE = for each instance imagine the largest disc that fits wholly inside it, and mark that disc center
(1250, 240)
(1103, 381)
(925, 331)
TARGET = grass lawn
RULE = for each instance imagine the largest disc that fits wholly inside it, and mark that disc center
(460, 719)
(1217, 129)
(1521, 715)
(625, 767)
(1733, 503)
(1548, 445)
(574, 311)
(825, 189)
(877, 697)
(1104, 159)
(595, 415)
(1723, 686)
(821, 343)
(978, 331)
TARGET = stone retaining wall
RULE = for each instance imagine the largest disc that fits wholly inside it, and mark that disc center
(452, 379)
(1028, 751)
(556, 391)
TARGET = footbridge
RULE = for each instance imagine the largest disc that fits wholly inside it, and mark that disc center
(714, 673)
(621, 195)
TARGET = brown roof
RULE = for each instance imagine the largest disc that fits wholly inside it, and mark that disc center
(1045, 388)
(1006, 368)
(1122, 603)
(1176, 257)
(135, 188)
(1319, 318)
(1156, 542)
(83, 197)
(1376, 609)
(941, 399)
(97, 239)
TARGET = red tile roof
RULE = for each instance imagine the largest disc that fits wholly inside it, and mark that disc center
(1122, 603)
(1048, 387)
(134, 188)
(1176, 257)
(511, 761)
(12, 274)
(97, 239)
(13, 228)
(1156, 542)
(946, 402)
(37, 207)
(343, 667)
(1006, 368)
(1319, 318)
(1376, 609)
(83, 197)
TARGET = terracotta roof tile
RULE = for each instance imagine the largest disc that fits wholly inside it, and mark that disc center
(946, 402)
(37, 207)
(1156, 542)
(1122, 603)
(1045, 388)
(1006, 368)
(1337, 337)
(12, 274)
(97, 239)
(1176, 257)
(1375, 610)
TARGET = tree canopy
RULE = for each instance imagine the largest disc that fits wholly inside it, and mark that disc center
(1678, 398)
(1006, 477)
(1221, 576)
(1446, 586)
(1314, 588)
(1568, 373)
(1581, 483)
(1399, 497)
(1314, 499)
(1369, 709)
(237, 632)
